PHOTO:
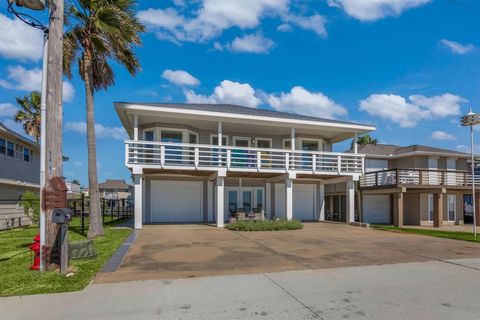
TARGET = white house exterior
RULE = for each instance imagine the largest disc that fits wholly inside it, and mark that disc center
(201, 162)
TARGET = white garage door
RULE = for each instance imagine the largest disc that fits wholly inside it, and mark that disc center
(303, 201)
(176, 201)
(376, 209)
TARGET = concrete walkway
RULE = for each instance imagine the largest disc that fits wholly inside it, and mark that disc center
(184, 251)
(419, 290)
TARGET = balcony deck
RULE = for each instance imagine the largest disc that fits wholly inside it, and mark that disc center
(181, 156)
(417, 177)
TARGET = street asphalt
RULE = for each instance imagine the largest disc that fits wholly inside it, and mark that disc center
(435, 289)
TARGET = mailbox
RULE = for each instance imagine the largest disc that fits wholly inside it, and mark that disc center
(61, 215)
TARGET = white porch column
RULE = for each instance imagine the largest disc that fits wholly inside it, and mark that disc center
(219, 138)
(350, 200)
(138, 216)
(355, 144)
(292, 147)
(268, 200)
(219, 206)
(135, 138)
(289, 199)
(321, 202)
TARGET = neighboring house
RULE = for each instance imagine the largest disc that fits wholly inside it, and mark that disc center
(19, 172)
(415, 185)
(206, 162)
(115, 190)
(74, 190)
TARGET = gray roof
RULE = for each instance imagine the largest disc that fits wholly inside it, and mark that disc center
(18, 136)
(230, 108)
(394, 150)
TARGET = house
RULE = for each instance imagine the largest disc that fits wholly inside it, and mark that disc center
(207, 162)
(115, 190)
(19, 172)
(415, 185)
(74, 190)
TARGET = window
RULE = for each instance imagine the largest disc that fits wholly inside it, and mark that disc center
(171, 136)
(2, 146)
(149, 136)
(193, 138)
(287, 144)
(264, 143)
(26, 155)
(10, 149)
(214, 140)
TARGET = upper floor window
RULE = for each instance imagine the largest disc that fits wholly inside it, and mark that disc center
(27, 154)
(3, 146)
(10, 149)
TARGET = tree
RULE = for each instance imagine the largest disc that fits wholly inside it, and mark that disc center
(364, 140)
(29, 114)
(99, 31)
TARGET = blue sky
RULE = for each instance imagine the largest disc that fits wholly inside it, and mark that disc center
(410, 67)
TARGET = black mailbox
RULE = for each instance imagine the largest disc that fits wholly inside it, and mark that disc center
(62, 215)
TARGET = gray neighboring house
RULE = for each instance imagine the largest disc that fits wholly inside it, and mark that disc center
(415, 185)
(19, 172)
(115, 190)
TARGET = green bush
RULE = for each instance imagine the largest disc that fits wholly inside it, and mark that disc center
(265, 225)
(31, 206)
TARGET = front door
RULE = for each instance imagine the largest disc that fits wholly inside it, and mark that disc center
(308, 145)
(240, 156)
(173, 154)
(452, 207)
(433, 173)
(245, 199)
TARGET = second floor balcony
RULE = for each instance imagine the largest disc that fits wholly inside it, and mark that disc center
(183, 156)
(417, 177)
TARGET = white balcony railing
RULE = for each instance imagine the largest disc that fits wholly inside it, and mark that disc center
(210, 157)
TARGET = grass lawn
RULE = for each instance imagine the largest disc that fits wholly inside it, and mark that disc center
(265, 225)
(15, 259)
(465, 236)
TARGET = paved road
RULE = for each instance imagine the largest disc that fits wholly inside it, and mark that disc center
(447, 289)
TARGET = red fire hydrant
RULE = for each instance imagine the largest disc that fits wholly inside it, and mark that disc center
(35, 247)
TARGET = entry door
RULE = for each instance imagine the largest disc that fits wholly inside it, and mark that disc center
(452, 207)
(430, 207)
(173, 154)
(240, 157)
(451, 176)
(433, 177)
(308, 145)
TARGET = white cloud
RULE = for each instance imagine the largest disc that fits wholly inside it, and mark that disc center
(23, 79)
(371, 10)
(78, 163)
(180, 77)
(301, 101)
(251, 44)
(227, 92)
(209, 18)
(285, 27)
(7, 110)
(418, 108)
(456, 47)
(20, 41)
(442, 135)
(101, 131)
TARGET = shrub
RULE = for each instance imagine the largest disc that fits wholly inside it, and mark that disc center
(31, 206)
(265, 225)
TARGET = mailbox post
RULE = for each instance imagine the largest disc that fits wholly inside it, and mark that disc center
(62, 217)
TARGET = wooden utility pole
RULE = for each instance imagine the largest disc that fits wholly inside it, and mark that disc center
(53, 141)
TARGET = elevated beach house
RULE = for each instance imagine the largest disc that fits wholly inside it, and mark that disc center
(208, 162)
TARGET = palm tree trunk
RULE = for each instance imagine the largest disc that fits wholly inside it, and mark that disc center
(96, 223)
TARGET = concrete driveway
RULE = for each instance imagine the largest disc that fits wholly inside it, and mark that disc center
(183, 251)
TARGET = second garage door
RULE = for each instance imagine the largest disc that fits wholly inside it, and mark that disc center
(304, 201)
(176, 201)
(376, 208)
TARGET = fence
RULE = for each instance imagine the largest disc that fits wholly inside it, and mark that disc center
(12, 213)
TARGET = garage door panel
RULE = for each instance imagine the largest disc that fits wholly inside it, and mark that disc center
(304, 201)
(176, 201)
(376, 208)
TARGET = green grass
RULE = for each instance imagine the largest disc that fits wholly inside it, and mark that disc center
(15, 259)
(265, 225)
(457, 235)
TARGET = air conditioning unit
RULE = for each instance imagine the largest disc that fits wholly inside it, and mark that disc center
(30, 4)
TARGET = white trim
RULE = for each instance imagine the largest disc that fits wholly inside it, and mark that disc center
(237, 138)
(270, 140)
(321, 143)
(449, 196)
(430, 207)
(216, 115)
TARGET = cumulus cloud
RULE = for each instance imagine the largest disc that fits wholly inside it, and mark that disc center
(456, 47)
(180, 77)
(227, 92)
(101, 131)
(19, 78)
(19, 41)
(209, 18)
(7, 110)
(301, 101)
(407, 113)
(371, 10)
(250, 44)
(442, 135)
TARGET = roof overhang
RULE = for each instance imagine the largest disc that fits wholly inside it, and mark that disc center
(418, 153)
(336, 131)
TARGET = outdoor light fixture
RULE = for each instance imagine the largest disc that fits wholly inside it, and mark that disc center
(29, 4)
(470, 120)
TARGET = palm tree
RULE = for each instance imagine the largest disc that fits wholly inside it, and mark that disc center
(364, 140)
(99, 31)
(29, 114)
